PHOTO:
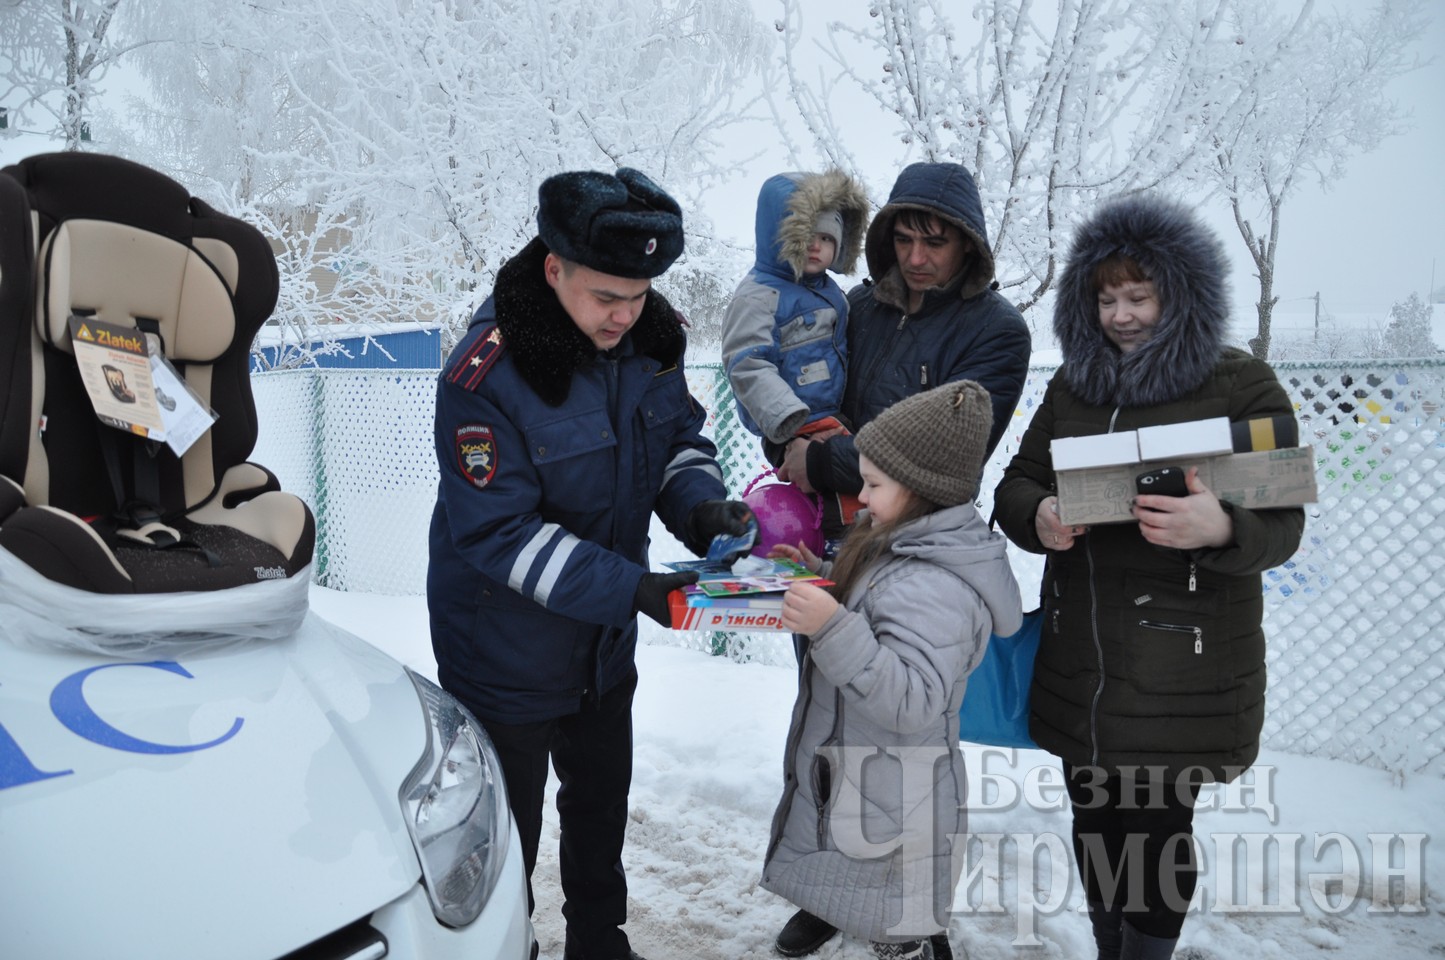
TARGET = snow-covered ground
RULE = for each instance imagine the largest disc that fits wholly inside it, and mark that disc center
(1312, 858)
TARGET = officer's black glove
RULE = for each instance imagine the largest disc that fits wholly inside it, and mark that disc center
(652, 591)
(712, 517)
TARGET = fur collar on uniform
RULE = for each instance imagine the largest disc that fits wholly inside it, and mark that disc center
(1187, 264)
(546, 346)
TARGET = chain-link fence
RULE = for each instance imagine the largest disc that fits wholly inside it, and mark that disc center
(357, 446)
(1354, 618)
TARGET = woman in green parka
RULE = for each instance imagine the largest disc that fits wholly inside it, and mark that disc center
(1150, 675)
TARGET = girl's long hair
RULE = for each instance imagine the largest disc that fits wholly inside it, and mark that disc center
(868, 541)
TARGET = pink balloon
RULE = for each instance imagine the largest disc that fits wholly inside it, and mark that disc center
(785, 515)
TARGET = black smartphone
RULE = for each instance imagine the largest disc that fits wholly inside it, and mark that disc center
(1162, 482)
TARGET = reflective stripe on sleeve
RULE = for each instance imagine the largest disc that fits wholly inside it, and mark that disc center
(529, 554)
(553, 570)
(527, 559)
(690, 460)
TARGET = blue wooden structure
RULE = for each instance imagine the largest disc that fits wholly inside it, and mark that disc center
(408, 346)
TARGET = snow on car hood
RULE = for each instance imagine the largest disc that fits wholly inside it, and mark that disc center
(240, 801)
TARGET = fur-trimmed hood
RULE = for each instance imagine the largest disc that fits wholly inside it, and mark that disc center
(545, 344)
(787, 215)
(1187, 264)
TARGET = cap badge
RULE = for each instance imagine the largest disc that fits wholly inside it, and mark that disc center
(651, 246)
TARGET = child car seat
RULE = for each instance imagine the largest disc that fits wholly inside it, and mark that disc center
(93, 507)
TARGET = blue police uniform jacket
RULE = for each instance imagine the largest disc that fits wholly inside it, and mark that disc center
(553, 458)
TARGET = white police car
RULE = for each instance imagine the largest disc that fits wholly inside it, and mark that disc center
(305, 796)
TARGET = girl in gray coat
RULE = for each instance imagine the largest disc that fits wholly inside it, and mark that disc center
(872, 809)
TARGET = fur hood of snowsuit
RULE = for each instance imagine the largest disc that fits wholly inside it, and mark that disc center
(787, 217)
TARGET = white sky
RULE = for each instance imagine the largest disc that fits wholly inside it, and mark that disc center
(1376, 236)
(1366, 243)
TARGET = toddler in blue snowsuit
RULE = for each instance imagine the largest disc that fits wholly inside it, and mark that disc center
(783, 335)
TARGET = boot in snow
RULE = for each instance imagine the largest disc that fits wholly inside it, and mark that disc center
(803, 934)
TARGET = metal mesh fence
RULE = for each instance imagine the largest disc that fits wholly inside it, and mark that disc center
(1356, 644)
(357, 446)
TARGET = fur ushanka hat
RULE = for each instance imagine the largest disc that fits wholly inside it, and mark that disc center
(933, 442)
(623, 225)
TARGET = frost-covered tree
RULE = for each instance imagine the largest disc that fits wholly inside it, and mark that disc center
(1310, 93)
(1408, 332)
(53, 55)
(230, 94)
(1052, 106)
(393, 148)
(1055, 106)
(1330, 342)
(218, 98)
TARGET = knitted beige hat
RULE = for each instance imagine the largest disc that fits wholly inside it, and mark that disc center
(933, 442)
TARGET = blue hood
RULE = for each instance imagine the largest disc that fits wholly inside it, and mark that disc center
(788, 209)
(948, 191)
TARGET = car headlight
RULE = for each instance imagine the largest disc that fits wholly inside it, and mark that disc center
(455, 806)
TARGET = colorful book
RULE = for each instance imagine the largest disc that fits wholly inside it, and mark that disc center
(757, 613)
(716, 579)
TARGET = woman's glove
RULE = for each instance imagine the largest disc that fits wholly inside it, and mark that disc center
(652, 591)
(713, 517)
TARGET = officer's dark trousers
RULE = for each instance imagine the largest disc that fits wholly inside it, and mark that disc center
(592, 753)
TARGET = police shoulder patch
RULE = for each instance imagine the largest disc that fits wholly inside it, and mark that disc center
(476, 452)
(472, 365)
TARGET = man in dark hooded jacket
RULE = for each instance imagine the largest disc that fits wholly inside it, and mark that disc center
(563, 422)
(930, 315)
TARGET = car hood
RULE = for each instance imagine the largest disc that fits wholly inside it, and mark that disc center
(236, 801)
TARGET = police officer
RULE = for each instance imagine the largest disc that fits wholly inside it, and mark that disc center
(563, 422)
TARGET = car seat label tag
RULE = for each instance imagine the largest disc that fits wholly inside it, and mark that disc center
(184, 414)
(133, 387)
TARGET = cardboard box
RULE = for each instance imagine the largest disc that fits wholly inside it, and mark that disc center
(1097, 485)
(753, 613)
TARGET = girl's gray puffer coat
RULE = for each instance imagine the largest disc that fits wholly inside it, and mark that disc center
(874, 783)
(1150, 657)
